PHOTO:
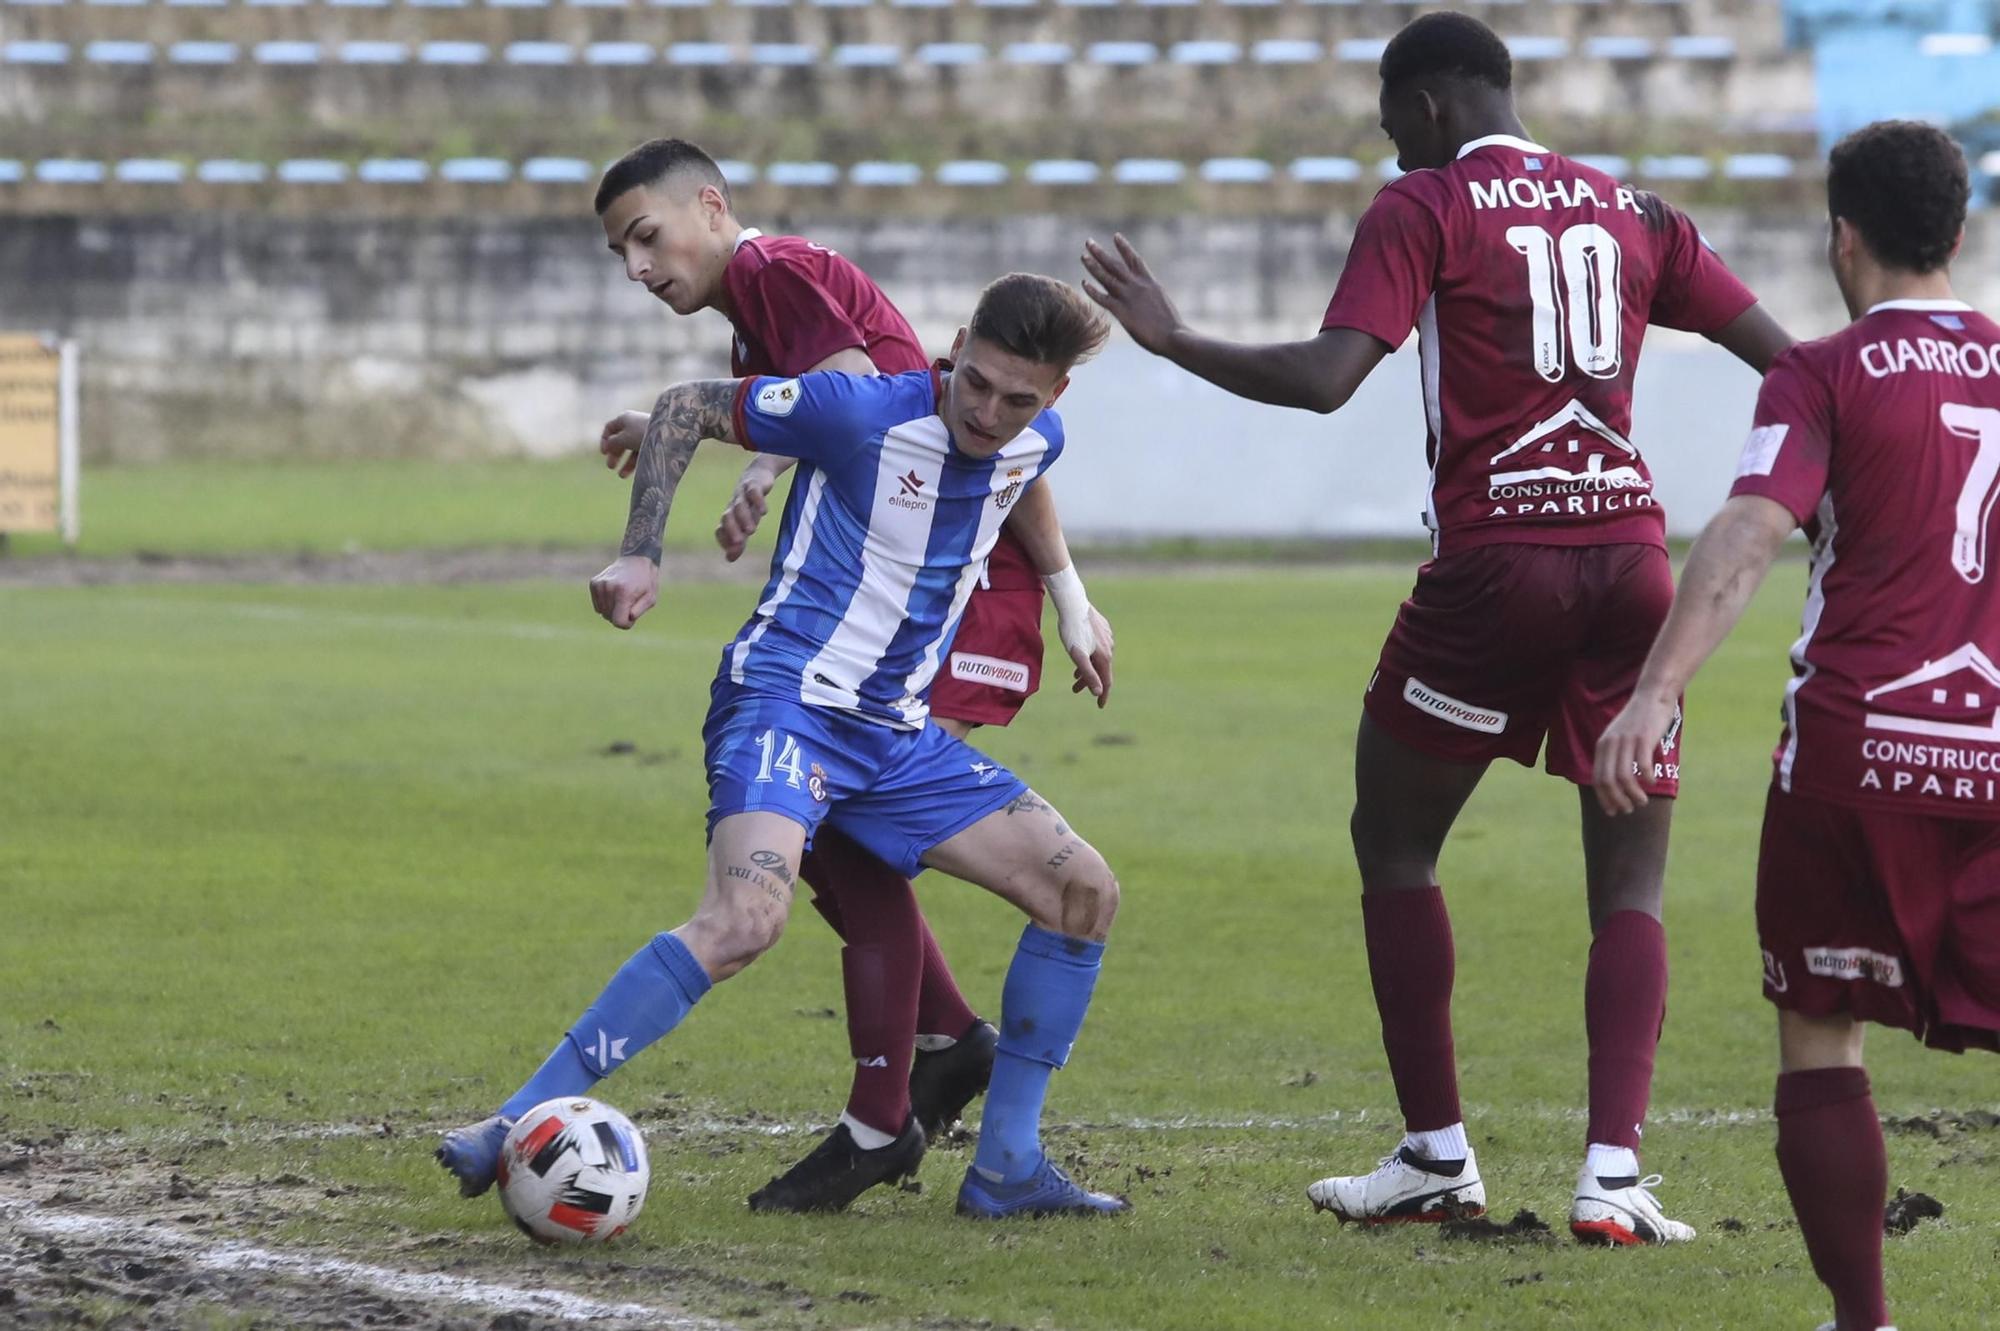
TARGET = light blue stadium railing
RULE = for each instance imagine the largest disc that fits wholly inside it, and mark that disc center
(864, 55)
(965, 174)
(1492, 5)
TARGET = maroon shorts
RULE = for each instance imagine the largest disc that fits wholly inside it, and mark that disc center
(1500, 646)
(1887, 916)
(996, 660)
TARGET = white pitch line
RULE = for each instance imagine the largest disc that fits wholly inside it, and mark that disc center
(722, 1127)
(233, 1256)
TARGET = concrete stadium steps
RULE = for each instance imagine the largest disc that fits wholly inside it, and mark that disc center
(434, 126)
(870, 85)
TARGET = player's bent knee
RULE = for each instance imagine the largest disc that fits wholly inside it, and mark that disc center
(1388, 860)
(1089, 897)
(728, 935)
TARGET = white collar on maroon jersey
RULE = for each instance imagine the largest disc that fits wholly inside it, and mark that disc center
(744, 237)
(1924, 306)
(1501, 141)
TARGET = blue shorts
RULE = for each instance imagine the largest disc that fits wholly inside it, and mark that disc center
(896, 792)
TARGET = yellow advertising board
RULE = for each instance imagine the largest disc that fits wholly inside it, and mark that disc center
(30, 432)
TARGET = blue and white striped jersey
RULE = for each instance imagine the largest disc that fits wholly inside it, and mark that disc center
(883, 539)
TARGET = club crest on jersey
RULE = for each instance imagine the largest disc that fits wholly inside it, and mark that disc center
(816, 783)
(778, 399)
(1008, 495)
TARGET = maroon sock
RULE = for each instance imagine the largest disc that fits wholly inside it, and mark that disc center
(941, 1008)
(880, 1032)
(1624, 1005)
(883, 968)
(1411, 962)
(817, 877)
(1830, 1152)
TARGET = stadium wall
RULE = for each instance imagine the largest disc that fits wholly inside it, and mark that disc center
(258, 336)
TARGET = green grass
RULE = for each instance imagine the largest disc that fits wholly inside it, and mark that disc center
(344, 506)
(223, 507)
(284, 857)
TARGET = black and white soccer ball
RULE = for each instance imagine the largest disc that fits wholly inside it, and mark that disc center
(573, 1170)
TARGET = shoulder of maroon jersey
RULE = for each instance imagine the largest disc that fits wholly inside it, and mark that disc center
(804, 257)
(1816, 355)
(758, 253)
(1602, 181)
(1427, 187)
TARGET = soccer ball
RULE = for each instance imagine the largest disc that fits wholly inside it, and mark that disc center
(573, 1171)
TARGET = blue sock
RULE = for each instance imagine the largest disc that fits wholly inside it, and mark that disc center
(648, 997)
(1041, 1010)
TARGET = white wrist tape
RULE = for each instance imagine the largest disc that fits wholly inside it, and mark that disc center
(1072, 610)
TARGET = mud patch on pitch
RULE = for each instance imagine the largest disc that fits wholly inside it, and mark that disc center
(1525, 1227)
(125, 1238)
(1942, 1123)
(1907, 1210)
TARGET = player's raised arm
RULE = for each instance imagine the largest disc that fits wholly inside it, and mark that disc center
(1319, 374)
(685, 415)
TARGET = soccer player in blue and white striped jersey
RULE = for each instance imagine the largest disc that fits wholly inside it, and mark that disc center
(818, 709)
(881, 546)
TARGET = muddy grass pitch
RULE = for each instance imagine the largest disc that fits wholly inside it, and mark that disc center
(296, 875)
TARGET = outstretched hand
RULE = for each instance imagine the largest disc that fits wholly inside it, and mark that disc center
(1092, 659)
(1126, 288)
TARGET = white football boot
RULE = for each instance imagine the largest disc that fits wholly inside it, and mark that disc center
(1405, 1187)
(1622, 1212)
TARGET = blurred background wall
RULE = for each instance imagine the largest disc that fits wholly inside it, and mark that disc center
(285, 228)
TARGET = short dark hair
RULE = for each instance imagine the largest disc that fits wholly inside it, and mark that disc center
(1447, 45)
(1903, 185)
(652, 162)
(1039, 319)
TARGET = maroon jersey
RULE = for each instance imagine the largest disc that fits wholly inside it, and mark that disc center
(796, 303)
(1530, 280)
(1884, 442)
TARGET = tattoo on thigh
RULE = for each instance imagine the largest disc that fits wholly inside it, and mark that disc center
(770, 889)
(1062, 857)
(1025, 802)
(772, 861)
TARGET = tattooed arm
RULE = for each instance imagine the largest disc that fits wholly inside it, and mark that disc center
(685, 415)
